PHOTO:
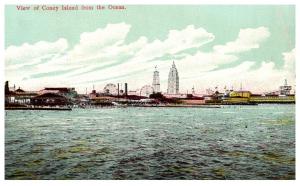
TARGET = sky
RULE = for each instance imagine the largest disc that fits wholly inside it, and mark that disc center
(212, 46)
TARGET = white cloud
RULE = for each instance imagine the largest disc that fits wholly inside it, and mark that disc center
(102, 57)
(248, 39)
(103, 40)
(124, 59)
(256, 80)
(191, 65)
(27, 52)
(266, 77)
(289, 61)
(290, 66)
(177, 40)
(23, 61)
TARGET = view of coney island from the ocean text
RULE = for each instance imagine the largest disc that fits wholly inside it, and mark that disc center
(150, 92)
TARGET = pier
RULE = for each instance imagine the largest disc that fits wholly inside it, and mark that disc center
(37, 108)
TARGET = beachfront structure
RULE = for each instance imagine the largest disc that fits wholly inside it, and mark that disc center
(49, 99)
(155, 83)
(173, 81)
(285, 89)
(133, 92)
(64, 91)
(248, 97)
(241, 94)
(18, 96)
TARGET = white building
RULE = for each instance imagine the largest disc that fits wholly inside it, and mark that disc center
(173, 81)
(155, 83)
(285, 89)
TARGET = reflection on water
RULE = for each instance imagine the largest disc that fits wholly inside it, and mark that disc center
(234, 142)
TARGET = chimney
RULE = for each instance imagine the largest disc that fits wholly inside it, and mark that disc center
(125, 89)
(118, 89)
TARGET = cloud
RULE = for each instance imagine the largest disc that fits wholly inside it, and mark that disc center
(100, 42)
(177, 40)
(120, 60)
(248, 39)
(99, 55)
(289, 66)
(102, 56)
(26, 53)
(256, 80)
(266, 77)
(191, 65)
(289, 61)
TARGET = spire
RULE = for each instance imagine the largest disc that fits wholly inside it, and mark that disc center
(285, 82)
(155, 83)
(173, 80)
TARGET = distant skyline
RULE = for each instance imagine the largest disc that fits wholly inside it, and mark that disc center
(211, 45)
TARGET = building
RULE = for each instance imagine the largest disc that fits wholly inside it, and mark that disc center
(235, 100)
(155, 83)
(173, 80)
(236, 97)
(285, 89)
(18, 97)
(176, 95)
(257, 98)
(49, 99)
(133, 92)
(246, 97)
(193, 101)
(93, 94)
(103, 100)
(240, 94)
(64, 91)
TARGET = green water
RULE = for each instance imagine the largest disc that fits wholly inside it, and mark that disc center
(232, 142)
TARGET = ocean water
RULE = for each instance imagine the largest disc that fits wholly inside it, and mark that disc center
(232, 142)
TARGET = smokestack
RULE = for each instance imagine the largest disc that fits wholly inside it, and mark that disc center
(6, 87)
(118, 89)
(125, 89)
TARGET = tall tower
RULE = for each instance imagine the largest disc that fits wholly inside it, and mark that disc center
(173, 81)
(155, 83)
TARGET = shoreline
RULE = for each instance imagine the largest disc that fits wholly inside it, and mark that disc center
(144, 106)
(41, 108)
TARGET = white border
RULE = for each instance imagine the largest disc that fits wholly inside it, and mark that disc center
(148, 182)
(217, 2)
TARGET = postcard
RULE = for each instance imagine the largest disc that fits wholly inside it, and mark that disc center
(149, 92)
